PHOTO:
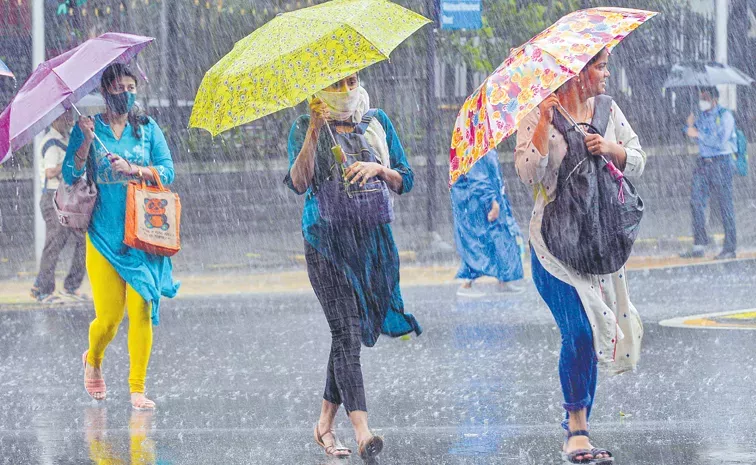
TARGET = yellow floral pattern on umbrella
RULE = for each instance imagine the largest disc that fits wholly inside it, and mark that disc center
(531, 73)
(297, 54)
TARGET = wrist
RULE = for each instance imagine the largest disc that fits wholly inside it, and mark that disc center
(383, 172)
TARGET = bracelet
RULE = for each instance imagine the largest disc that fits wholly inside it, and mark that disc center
(139, 172)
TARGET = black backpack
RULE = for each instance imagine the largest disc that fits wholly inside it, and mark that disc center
(594, 220)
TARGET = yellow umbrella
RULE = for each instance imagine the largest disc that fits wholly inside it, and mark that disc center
(297, 54)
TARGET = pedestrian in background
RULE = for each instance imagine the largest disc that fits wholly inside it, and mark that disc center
(713, 127)
(486, 234)
(52, 154)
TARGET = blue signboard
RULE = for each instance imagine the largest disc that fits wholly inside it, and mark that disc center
(461, 14)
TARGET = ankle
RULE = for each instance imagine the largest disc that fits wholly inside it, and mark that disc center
(324, 426)
(362, 435)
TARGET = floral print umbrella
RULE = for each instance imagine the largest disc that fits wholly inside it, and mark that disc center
(297, 54)
(531, 73)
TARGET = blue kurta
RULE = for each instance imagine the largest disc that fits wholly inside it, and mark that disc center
(486, 248)
(149, 275)
(369, 257)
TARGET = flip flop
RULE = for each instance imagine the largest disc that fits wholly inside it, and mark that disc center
(93, 386)
(370, 448)
(333, 449)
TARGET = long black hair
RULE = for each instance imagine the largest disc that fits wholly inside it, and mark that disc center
(113, 74)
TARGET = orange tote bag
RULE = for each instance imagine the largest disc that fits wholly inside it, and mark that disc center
(153, 217)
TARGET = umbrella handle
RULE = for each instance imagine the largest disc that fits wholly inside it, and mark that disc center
(337, 151)
(333, 138)
(95, 134)
(569, 118)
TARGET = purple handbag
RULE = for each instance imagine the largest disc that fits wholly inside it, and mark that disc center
(74, 203)
(342, 204)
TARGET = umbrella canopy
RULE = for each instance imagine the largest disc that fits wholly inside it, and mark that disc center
(701, 74)
(59, 83)
(531, 73)
(5, 71)
(297, 54)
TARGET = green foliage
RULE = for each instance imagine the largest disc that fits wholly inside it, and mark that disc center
(506, 24)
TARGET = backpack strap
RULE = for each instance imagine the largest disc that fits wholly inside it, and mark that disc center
(365, 122)
(602, 111)
(53, 143)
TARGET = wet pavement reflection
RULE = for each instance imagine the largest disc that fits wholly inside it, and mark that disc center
(238, 380)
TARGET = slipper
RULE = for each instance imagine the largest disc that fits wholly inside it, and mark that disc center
(144, 405)
(93, 386)
(586, 456)
(334, 449)
(371, 448)
(608, 460)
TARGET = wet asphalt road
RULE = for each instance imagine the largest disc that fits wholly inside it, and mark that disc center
(239, 380)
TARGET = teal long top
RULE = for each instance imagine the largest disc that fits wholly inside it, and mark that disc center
(150, 275)
(368, 257)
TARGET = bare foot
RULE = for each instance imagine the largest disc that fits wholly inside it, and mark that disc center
(140, 402)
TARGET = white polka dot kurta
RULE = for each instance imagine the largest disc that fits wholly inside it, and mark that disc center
(617, 327)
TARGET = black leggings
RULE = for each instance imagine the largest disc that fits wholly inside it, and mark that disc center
(334, 291)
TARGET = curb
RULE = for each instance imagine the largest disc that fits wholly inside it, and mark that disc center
(15, 294)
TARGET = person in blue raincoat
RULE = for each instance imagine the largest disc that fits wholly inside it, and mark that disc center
(354, 270)
(488, 239)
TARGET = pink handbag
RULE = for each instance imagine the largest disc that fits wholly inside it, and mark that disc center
(74, 203)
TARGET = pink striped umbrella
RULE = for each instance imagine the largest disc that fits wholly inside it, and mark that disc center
(57, 84)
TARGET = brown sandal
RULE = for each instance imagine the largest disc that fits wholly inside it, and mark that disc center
(371, 448)
(337, 449)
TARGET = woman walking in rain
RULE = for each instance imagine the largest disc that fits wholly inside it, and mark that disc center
(487, 236)
(594, 314)
(353, 268)
(121, 277)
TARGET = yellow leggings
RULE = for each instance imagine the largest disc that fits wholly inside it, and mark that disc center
(112, 295)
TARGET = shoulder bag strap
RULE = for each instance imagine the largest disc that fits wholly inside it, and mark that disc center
(365, 122)
(602, 111)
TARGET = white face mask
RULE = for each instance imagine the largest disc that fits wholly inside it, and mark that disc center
(342, 105)
(704, 105)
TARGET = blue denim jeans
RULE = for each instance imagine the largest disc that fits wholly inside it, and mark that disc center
(713, 176)
(578, 371)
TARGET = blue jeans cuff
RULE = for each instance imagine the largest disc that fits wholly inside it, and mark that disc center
(575, 406)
